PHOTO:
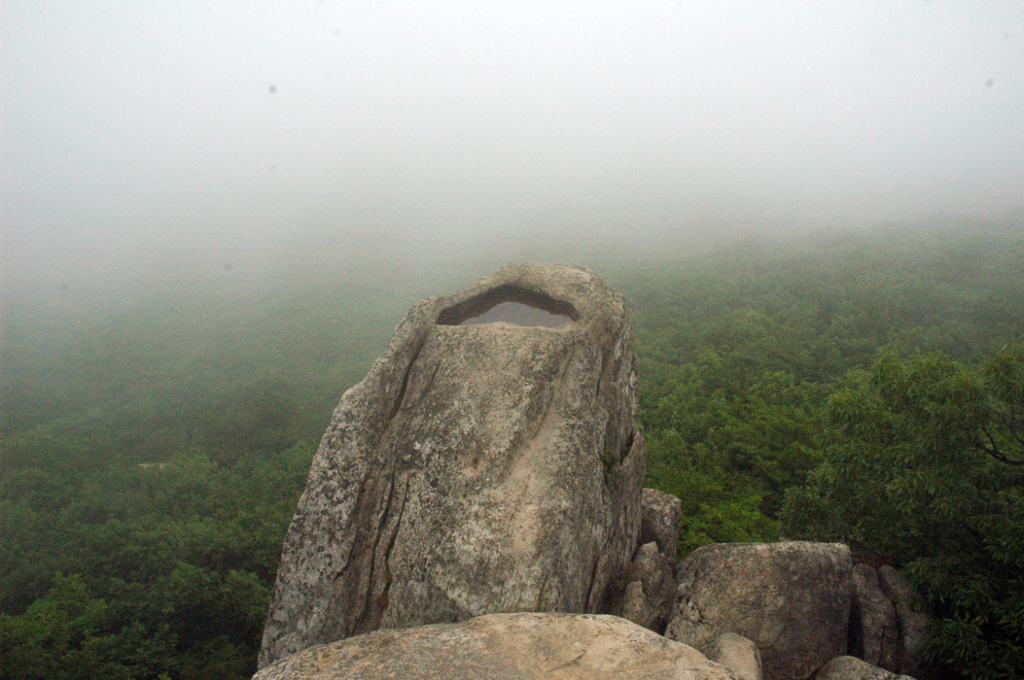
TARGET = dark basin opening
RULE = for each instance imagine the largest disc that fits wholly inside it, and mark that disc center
(512, 305)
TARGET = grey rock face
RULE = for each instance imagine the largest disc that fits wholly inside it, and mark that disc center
(850, 668)
(636, 608)
(647, 600)
(874, 628)
(736, 653)
(660, 521)
(504, 647)
(791, 599)
(913, 623)
(476, 469)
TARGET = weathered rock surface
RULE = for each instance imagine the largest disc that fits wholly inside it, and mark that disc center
(650, 590)
(736, 653)
(477, 469)
(850, 668)
(874, 628)
(635, 607)
(913, 623)
(661, 513)
(792, 599)
(504, 647)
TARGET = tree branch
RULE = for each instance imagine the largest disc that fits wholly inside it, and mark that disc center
(993, 450)
(1010, 421)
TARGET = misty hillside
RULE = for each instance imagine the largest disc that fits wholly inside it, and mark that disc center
(153, 451)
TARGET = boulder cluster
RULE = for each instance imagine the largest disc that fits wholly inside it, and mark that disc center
(476, 510)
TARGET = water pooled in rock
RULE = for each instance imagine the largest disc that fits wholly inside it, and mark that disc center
(519, 314)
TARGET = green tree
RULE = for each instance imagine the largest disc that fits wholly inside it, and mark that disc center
(925, 462)
(728, 443)
(67, 636)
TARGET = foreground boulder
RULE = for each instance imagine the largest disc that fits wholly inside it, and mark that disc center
(736, 653)
(478, 468)
(791, 599)
(505, 647)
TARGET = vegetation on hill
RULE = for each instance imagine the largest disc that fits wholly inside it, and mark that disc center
(924, 461)
(853, 386)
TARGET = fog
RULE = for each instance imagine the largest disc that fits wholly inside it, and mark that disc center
(152, 143)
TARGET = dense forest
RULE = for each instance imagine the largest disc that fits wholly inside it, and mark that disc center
(857, 386)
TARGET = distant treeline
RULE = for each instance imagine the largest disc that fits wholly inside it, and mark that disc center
(152, 455)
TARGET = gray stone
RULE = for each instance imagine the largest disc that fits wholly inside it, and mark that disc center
(736, 653)
(660, 523)
(792, 599)
(651, 588)
(914, 623)
(874, 628)
(478, 468)
(651, 566)
(637, 609)
(851, 668)
(504, 647)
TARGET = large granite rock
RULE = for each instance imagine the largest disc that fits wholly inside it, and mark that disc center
(874, 628)
(504, 647)
(791, 599)
(478, 468)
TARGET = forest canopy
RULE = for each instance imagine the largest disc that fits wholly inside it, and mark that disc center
(855, 386)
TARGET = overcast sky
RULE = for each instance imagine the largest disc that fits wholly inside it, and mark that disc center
(140, 135)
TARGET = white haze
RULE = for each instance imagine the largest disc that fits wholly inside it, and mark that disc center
(147, 142)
